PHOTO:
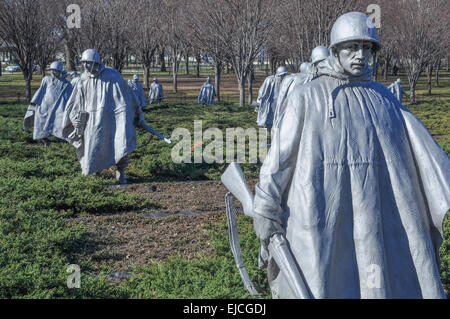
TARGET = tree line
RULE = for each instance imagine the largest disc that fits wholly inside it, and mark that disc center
(234, 33)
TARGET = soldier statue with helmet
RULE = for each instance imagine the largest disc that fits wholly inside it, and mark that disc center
(308, 72)
(136, 86)
(267, 98)
(100, 118)
(46, 110)
(354, 182)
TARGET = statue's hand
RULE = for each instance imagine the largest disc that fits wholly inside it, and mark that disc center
(265, 228)
(78, 124)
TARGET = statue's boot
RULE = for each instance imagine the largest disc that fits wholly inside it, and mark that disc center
(121, 178)
(120, 174)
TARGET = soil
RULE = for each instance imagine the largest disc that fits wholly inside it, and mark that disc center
(179, 227)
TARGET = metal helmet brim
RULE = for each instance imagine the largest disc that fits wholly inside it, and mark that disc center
(319, 54)
(91, 55)
(354, 26)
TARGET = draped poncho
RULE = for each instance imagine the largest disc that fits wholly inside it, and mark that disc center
(109, 134)
(50, 100)
(361, 189)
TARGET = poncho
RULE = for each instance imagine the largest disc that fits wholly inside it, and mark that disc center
(289, 82)
(156, 92)
(207, 94)
(397, 90)
(50, 101)
(360, 188)
(267, 100)
(109, 134)
(138, 90)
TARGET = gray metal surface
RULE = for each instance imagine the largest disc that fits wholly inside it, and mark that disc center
(357, 184)
(48, 105)
(109, 134)
(156, 92)
(207, 93)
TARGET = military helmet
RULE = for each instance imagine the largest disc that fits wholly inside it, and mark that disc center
(91, 55)
(281, 71)
(304, 67)
(319, 54)
(354, 26)
(56, 66)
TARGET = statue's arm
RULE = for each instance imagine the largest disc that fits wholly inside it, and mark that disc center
(278, 169)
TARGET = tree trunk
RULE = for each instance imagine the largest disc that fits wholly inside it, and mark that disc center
(70, 64)
(438, 66)
(162, 61)
(146, 74)
(218, 72)
(272, 66)
(175, 74)
(43, 67)
(429, 76)
(242, 81)
(198, 59)
(250, 86)
(412, 95)
(28, 76)
(386, 69)
(187, 63)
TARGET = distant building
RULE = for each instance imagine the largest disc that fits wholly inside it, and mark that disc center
(6, 53)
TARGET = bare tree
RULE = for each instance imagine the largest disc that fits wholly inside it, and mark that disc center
(146, 36)
(106, 27)
(305, 24)
(419, 29)
(21, 27)
(203, 38)
(117, 31)
(242, 27)
(174, 34)
(51, 36)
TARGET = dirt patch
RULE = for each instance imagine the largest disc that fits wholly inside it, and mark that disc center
(179, 227)
(133, 239)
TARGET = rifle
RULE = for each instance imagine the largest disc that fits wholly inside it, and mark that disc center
(151, 130)
(235, 181)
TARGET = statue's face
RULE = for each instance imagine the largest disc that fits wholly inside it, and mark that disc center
(354, 56)
(91, 67)
(56, 73)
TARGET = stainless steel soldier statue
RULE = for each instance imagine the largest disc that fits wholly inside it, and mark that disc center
(45, 114)
(100, 116)
(355, 183)
(268, 96)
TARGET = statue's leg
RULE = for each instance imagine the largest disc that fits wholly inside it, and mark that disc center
(120, 174)
(46, 142)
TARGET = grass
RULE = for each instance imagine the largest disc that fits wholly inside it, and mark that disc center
(42, 190)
